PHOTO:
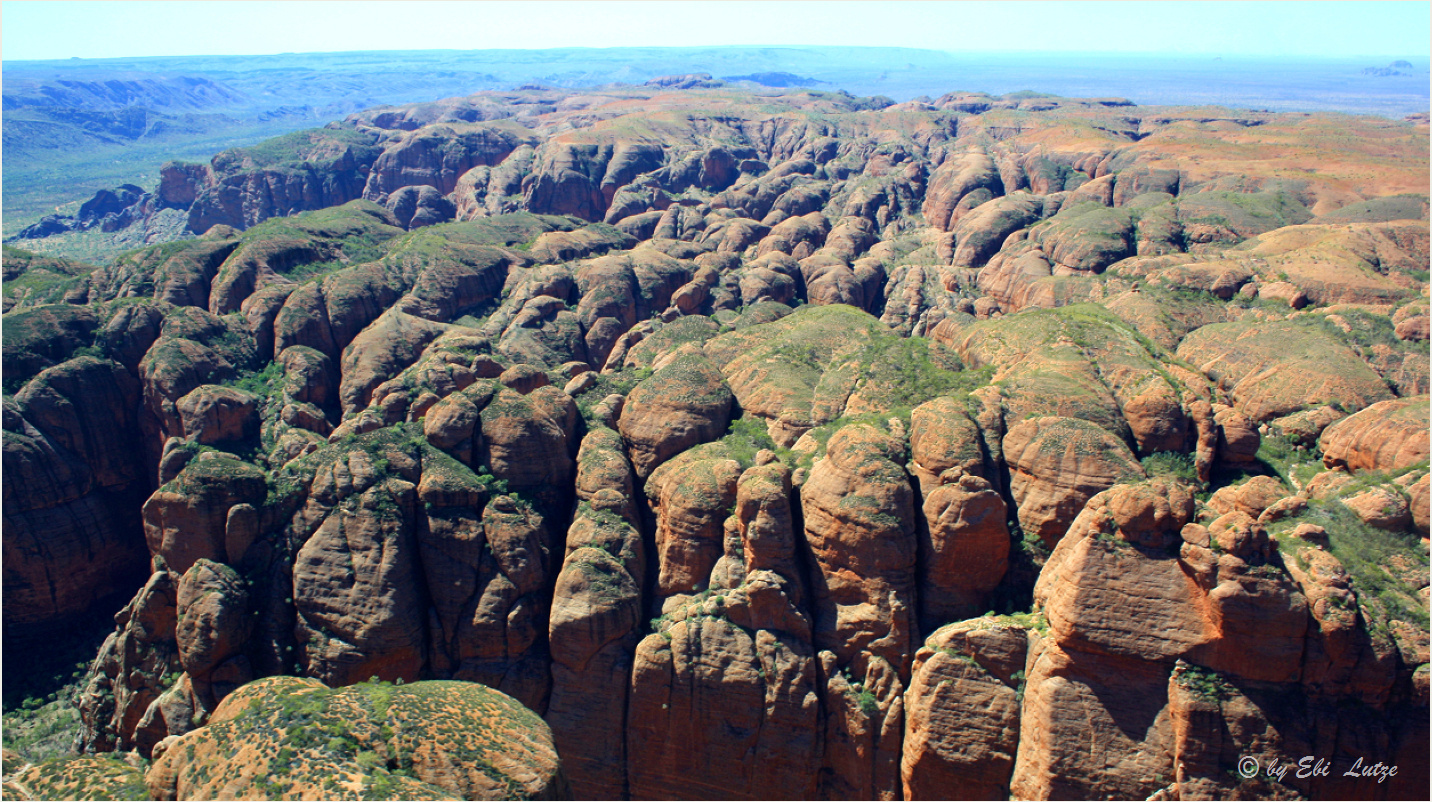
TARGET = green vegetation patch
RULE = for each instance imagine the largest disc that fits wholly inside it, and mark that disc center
(607, 578)
(748, 435)
(34, 279)
(307, 733)
(1204, 683)
(1368, 333)
(820, 361)
(1379, 210)
(98, 777)
(359, 230)
(690, 379)
(316, 148)
(38, 338)
(1242, 214)
(1382, 564)
(905, 372)
(1171, 464)
(516, 230)
(617, 383)
(690, 329)
(1008, 339)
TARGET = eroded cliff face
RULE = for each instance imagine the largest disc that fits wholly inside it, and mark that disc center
(936, 451)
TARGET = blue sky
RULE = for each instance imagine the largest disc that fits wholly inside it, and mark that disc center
(46, 29)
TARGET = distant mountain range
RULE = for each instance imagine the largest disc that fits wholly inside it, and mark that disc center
(75, 126)
(359, 80)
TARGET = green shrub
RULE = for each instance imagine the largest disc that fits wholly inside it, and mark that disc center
(1171, 464)
(1204, 683)
(1366, 552)
(747, 436)
(868, 704)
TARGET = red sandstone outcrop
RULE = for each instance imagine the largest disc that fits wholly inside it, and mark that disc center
(1251, 498)
(436, 157)
(981, 233)
(241, 752)
(684, 403)
(942, 437)
(1071, 743)
(1100, 590)
(691, 497)
(214, 414)
(1275, 369)
(743, 637)
(967, 550)
(596, 610)
(962, 711)
(859, 516)
(240, 197)
(1238, 437)
(1381, 508)
(1385, 436)
(188, 518)
(953, 181)
(1058, 464)
(129, 673)
(724, 712)
(72, 534)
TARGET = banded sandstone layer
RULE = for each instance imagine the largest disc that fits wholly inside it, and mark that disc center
(792, 445)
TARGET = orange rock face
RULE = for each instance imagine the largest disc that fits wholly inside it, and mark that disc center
(1268, 379)
(1385, 436)
(685, 403)
(214, 618)
(1071, 742)
(1056, 466)
(1238, 437)
(715, 709)
(188, 519)
(128, 674)
(214, 414)
(967, 552)
(734, 658)
(355, 589)
(692, 498)
(859, 523)
(1100, 590)
(1380, 507)
(595, 612)
(1419, 503)
(962, 711)
(859, 520)
(942, 437)
(1251, 498)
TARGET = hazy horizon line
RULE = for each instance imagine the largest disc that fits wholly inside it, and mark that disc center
(1062, 54)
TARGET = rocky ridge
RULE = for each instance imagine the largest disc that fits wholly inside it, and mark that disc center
(762, 446)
